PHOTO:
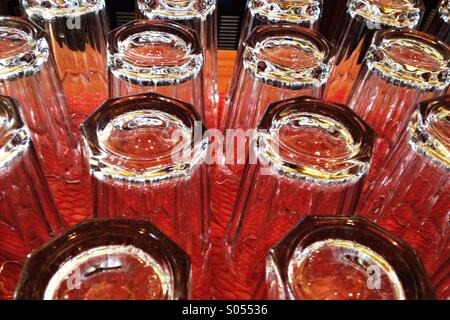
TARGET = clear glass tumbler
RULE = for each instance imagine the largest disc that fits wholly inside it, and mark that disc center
(156, 56)
(201, 16)
(146, 157)
(402, 68)
(134, 262)
(77, 33)
(343, 258)
(411, 197)
(440, 25)
(312, 158)
(279, 62)
(305, 13)
(364, 18)
(28, 74)
(28, 216)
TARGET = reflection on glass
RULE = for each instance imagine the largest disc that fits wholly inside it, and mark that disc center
(77, 33)
(364, 18)
(146, 156)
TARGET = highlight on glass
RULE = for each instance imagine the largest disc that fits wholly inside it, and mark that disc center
(279, 62)
(146, 154)
(28, 216)
(402, 68)
(156, 56)
(201, 16)
(135, 261)
(440, 26)
(343, 258)
(364, 18)
(77, 33)
(28, 74)
(411, 197)
(312, 159)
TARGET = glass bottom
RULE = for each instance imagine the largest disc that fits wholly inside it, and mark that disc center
(342, 270)
(109, 273)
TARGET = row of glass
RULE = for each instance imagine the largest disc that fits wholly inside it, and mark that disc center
(84, 263)
(381, 70)
(313, 157)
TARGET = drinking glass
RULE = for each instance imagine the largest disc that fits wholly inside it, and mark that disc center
(344, 258)
(411, 197)
(135, 261)
(77, 33)
(28, 216)
(201, 16)
(364, 18)
(28, 74)
(305, 13)
(156, 56)
(402, 67)
(312, 158)
(441, 22)
(279, 62)
(146, 157)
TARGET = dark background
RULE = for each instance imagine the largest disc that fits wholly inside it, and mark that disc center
(230, 16)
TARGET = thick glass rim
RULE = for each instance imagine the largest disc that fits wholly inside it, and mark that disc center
(346, 169)
(31, 52)
(49, 10)
(264, 66)
(428, 140)
(176, 9)
(379, 15)
(305, 12)
(122, 168)
(124, 65)
(90, 234)
(405, 71)
(404, 260)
